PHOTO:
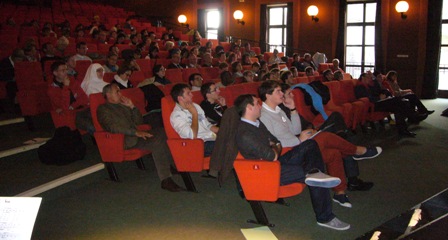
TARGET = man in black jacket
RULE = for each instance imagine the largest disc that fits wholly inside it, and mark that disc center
(302, 164)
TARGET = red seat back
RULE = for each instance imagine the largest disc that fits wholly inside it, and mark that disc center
(174, 75)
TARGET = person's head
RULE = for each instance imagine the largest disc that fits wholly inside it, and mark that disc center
(99, 71)
(18, 55)
(59, 70)
(336, 64)
(71, 62)
(231, 58)
(365, 78)
(245, 59)
(30, 50)
(62, 43)
(219, 49)
(236, 67)
(175, 58)
(169, 45)
(265, 76)
(207, 58)
(286, 77)
(181, 93)
(102, 36)
(209, 44)
(153, 51)
(247, 46)
(192, 59)
(112, 59)
(275, 66)
(264, 65)
(235, 48)
(270, 91)
(114, 49)
(391, 76)
(124, 73)
(255, 66)
(195, 80)
(275, 74)
(309, 71)
(248, 76)
(112, 93)
(328, 75)
(159, 70)
(226, 78)
(210, 91)
(296, 57)
(223, 67)
(275, 53)
(48, 49)
(248, 106)
(338, 75)
(294, 71)
(81, 48)
(307, 57)
(221, 56)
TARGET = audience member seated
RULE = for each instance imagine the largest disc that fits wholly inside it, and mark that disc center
(328, 75)
(248, 50)
(248, 76)
(93, 80)
(67, 96)
(301, 164)
(309, 71)
(275, 58)
(48, 50)
(286, 77)
(71, 65)
(335, 66)
(111, 63)
(189, 120)
(275, 74)
(294, 72)
(130, 63)
(207, 60)
(237, 70)
(290, 132)
(213, 104)
(7, 73)
(193, 61)
(175, 62)
(308, 62)
(119, 115)
(195, 81)
(121, 79)
(226, 78)
(81, 51)
(297, 63)
(338, 76)
(30, 52)
(245, 60)
(371, 89)
(159, 77)
(221, 57)
(231, 58)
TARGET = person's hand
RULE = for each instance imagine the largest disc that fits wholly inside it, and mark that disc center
(305, 134)
(221, 101)
(66, 82)
(143, 134)
(289, 102)
(127, 102)
(190, 107)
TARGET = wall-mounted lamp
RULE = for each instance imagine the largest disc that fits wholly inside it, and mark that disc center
(312, 11)
(238, 15)
(402, 7)
(183, 21)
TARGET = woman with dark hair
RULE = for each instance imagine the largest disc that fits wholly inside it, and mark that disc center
(236, 69)
(122, 78)
(153, 52)
(245, 60)
(231, 58)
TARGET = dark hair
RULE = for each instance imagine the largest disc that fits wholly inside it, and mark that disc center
(241, 102)
(338, 74)
(255, 64)
(219, 49)
(55, 65)
(361, 76)
(192, 76)
(284, 87)
(234, 66)
(326, 72)
(156, 69)
(123, 70)
(284, 75)
(107, 89)
(78, 45)
(267, 87)
(205, 88)
(226, 78)
(178, 90)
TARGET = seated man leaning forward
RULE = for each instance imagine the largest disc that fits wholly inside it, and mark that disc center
(119, 115)
(302, 163)
(188, 118)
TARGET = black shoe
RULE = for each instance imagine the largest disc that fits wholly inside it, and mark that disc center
(429, 112)
(407, 133)
(418, 118)
(359, 185)
(170, 185)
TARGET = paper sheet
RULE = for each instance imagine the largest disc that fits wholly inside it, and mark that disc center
(17, 217)
(259, 233)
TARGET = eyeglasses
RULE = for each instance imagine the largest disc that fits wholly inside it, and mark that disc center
(128, 74)
(216, 89)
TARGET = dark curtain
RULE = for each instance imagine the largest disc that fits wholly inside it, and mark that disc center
(221, 35)
(340, 42)
(263, 27)
(201, 22)
(289, 30)
(379, 64)
(433, 36)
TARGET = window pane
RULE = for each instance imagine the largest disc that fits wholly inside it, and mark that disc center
(445, 33)
(354, 55)
(369, 56)
(445, 9)
(275, 36)
(354, 35)
(354, 71)
(443, 79)
(212, 34)
(370, 35)
(355, 13)
(213, 19)
(444, 57)
(275, 16)
(286, 14)
(370, 12)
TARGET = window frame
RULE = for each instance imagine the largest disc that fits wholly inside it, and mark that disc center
(283, 27)
(207, 28)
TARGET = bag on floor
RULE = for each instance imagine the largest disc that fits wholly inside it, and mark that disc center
(65, 147)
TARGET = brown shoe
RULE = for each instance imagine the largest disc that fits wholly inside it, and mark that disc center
(170, 185)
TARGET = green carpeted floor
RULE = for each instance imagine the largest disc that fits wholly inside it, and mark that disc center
(93, 207)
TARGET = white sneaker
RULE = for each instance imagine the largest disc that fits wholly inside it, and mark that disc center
(320, 179)
(335, 224)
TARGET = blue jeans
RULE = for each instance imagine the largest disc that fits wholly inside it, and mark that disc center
(299, 161)
(208, 148)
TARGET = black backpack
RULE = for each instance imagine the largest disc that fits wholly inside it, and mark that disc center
(65, 147)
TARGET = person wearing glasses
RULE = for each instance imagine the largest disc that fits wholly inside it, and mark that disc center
(248, 76)
(122, 78)
(213, 105)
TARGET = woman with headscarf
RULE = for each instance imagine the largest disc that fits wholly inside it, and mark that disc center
(93, 81)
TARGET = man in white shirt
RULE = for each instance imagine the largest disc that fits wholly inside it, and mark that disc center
(81, 51)
(188, 118)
